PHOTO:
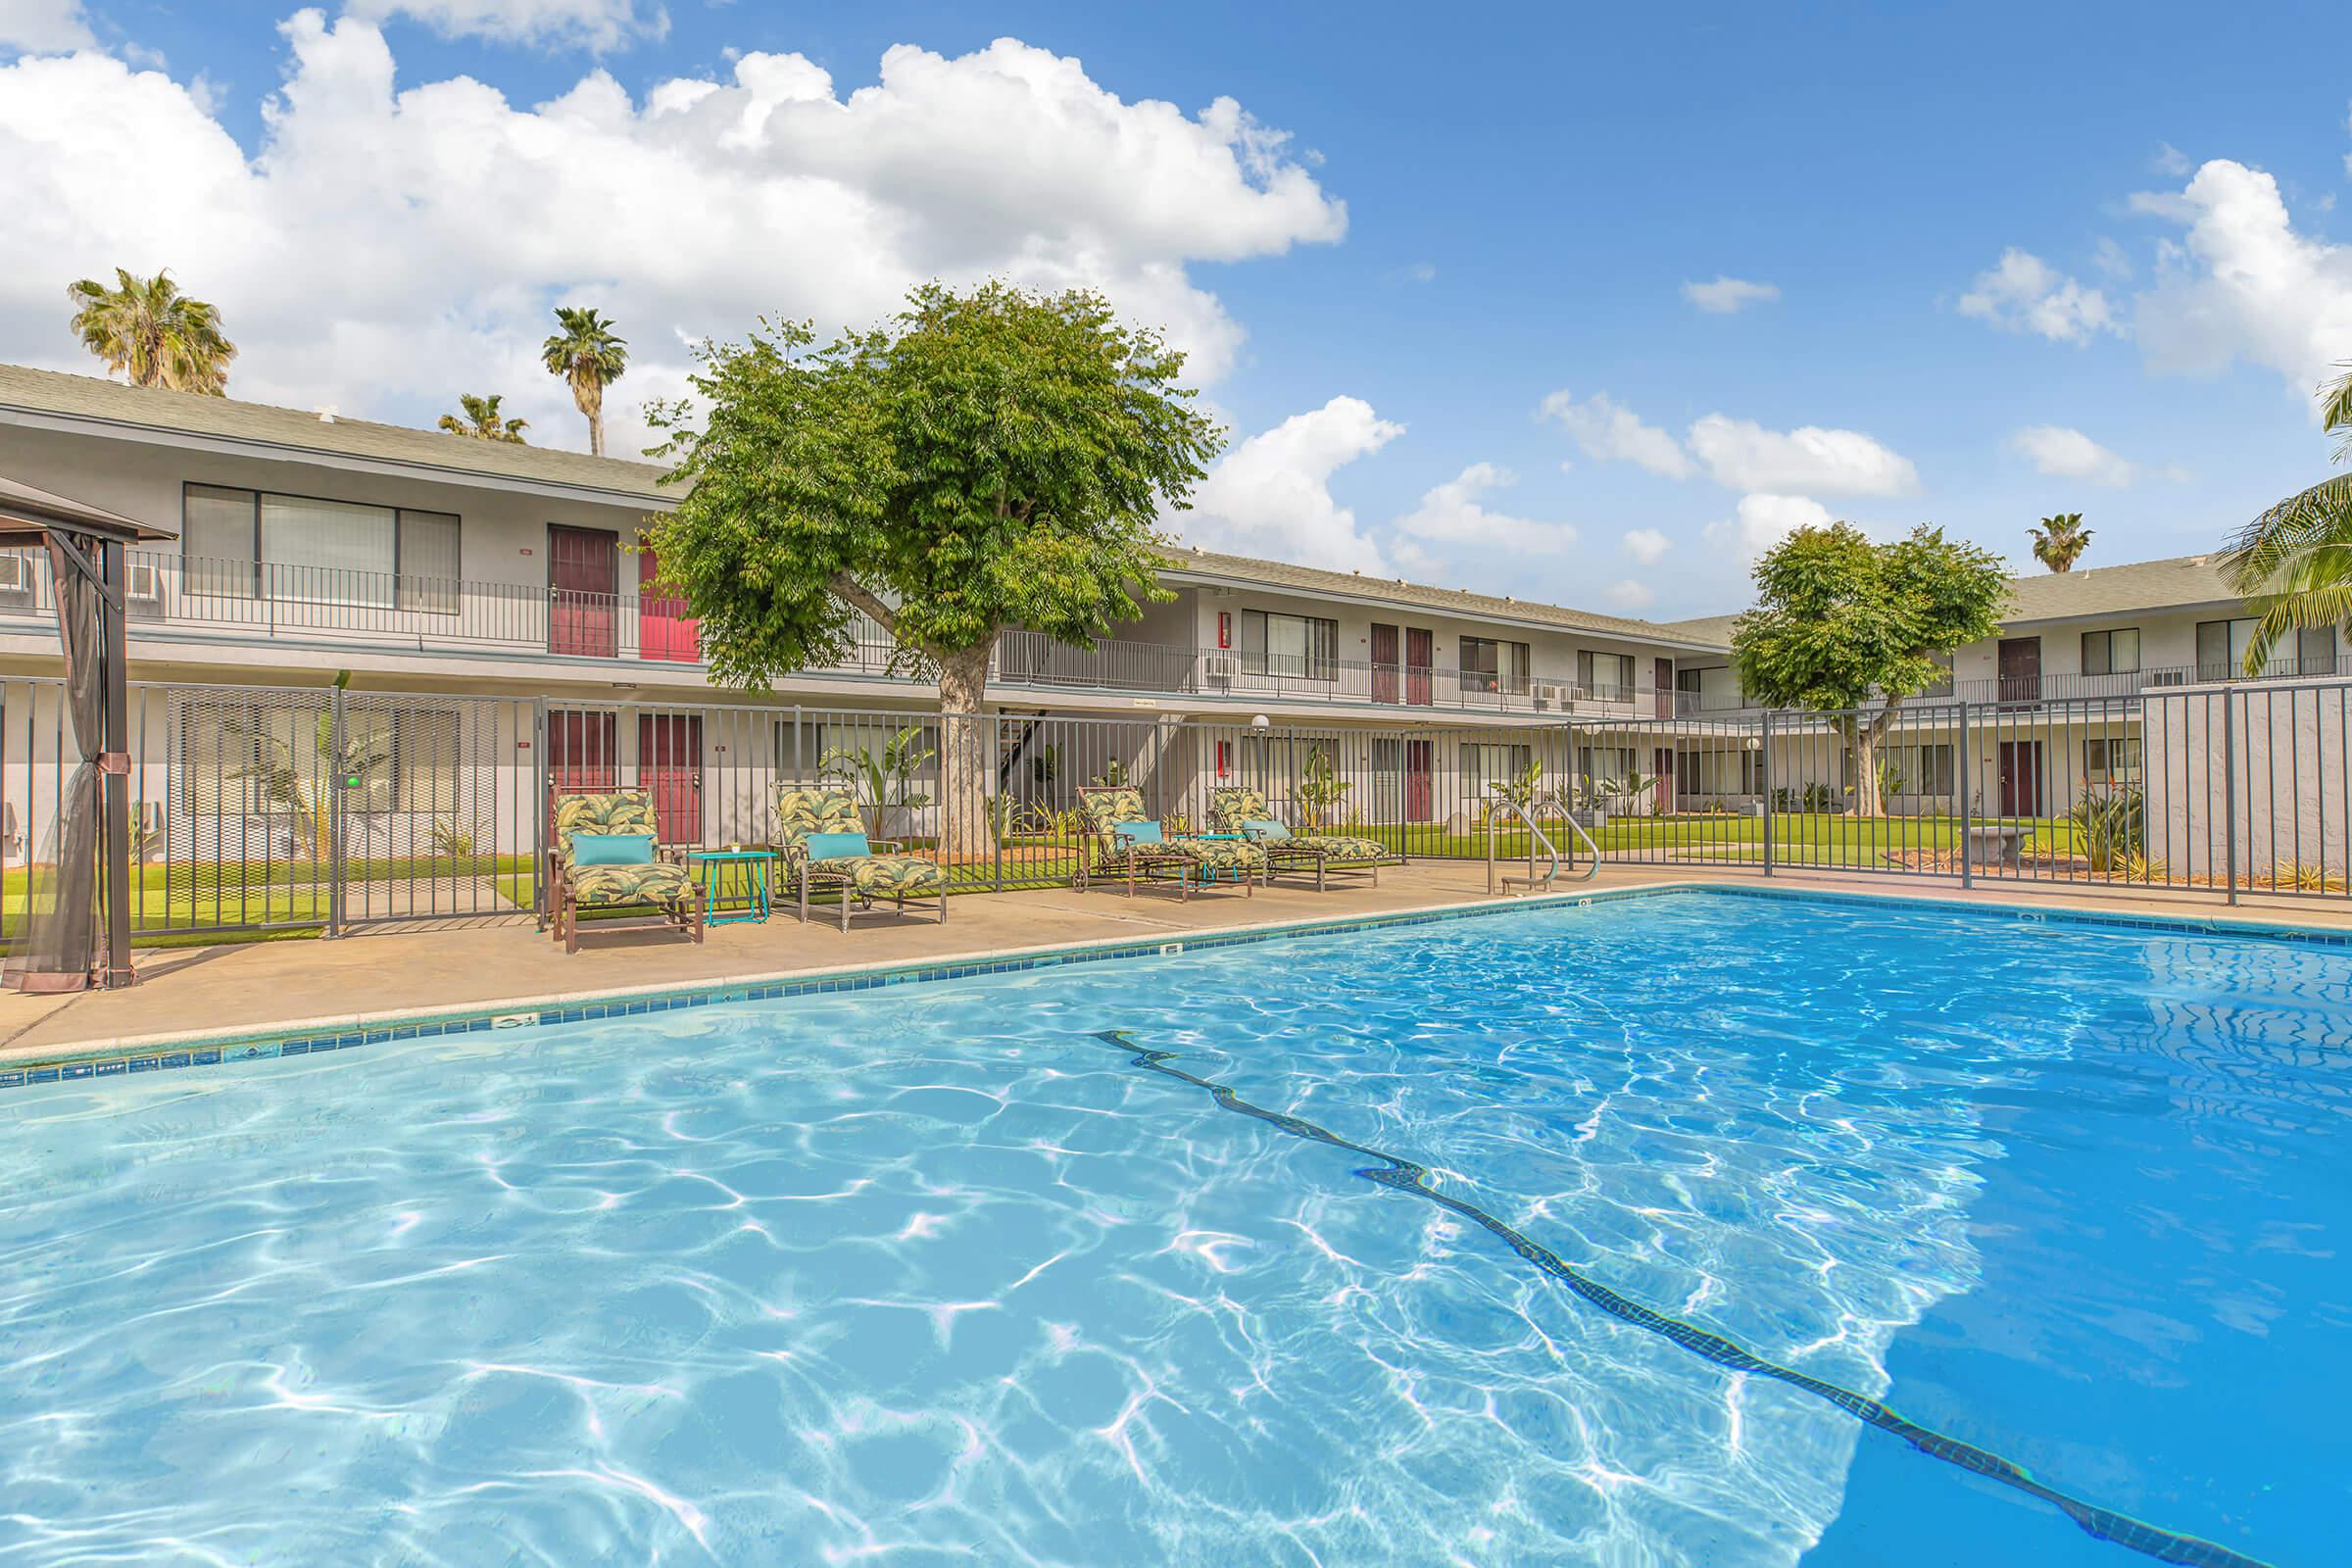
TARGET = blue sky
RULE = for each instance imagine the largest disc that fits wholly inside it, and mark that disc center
(1526, 193)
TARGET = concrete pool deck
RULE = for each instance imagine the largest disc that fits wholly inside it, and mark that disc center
(503, 964)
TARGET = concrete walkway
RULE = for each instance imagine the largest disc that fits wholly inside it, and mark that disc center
(506, 962)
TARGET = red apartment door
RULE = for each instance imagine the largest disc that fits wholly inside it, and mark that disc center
(1417, 757)
(2021, 670)
(2021, 778)
(663, 628)
(1661, 683)
(1384, 663)
(669, 768)
(583, 589)
(1420, 653)
(581, 756)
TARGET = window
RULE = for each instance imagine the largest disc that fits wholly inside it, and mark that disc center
(1705, 775)
(1307, 647)
(426, 761)
(1489, 666)
(1922, 769)
(1607, 676)
(2111, 759)
(2111, 652)
(2222, 647)
(245, 544)
(1941, 687)
(2315, 651)
(1486, 768)
(1605, 765)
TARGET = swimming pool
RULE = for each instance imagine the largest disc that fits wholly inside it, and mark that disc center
(1082, 1265)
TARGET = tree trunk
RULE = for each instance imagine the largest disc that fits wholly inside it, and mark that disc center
(589, 394)
(1866, 740)
(963, 783)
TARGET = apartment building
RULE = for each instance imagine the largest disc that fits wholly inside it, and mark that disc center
(314, 549)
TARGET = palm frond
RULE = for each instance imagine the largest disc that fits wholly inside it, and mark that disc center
(2293, 565)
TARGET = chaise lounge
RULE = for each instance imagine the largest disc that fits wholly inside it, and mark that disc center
(823, 842)
(1129, 842)
(1236, 810)
(604, 853)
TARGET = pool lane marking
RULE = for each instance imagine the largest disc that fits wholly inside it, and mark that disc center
(1403, 1176)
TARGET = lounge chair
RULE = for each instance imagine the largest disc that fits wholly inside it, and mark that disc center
(824, 844)
(1129, 842)
(1235, 809)
(632, 872)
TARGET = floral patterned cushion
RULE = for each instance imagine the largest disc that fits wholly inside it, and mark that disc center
(1105, 806)
(886, 873)
(1337, 847)
(604, 886)
(617, 812)
(802, 811)
(1230, 806)
(1227, 855)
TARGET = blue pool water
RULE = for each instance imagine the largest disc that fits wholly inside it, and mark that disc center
(970, 1272)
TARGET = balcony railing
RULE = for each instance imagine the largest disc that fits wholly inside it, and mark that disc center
(2057, 688)
(264, 601)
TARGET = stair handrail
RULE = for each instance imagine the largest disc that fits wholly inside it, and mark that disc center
(1535, 836)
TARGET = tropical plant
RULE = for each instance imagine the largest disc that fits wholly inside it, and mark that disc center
(882, 782)
(584, 352)
(1113, 774)
(990, 458)
(1319, 789)
(1522, 789)
(145, 329)
(452, 841)
(1890, 778)
(2059, 541)
(480, 420)
(2293, 563)
(1637, 789)
(299, 779)
(2111, 825)
(2305, 876)
(1842, 624)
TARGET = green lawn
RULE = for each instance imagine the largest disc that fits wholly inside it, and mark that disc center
(1797, 839)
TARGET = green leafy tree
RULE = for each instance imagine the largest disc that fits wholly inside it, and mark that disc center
(2293, 563)
(1852, 629)
(145, 329)
(480, 420)
(986, 460)
(584, 352)
(2059, 541)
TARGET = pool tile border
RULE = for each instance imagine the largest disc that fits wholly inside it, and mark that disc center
(121, 1059)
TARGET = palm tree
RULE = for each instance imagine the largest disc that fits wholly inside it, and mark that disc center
(587, 355)
(481, 422)
(2059, 541)
(149, 330)
(2293, 563)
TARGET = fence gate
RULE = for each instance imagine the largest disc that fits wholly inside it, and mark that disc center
(433, 806)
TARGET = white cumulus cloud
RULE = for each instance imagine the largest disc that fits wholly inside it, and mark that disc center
(2068, 453)
(1629, 596)
(1727, 295)
(1271, 494)
(1741, 455)
(1452, 513)
(1648, 546)
(1614, 434)
(595, 24)
(389, 248)
(1761, 521)
(2023, 293)
(2242, 284)
(39, 26)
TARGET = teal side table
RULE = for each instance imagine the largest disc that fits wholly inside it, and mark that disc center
(753, 865)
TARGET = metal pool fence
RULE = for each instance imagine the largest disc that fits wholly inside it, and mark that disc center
(259, 809)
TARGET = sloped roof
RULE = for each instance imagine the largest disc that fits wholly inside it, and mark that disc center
(2180, 581)
(1209, 565)
(93, 398)
(1714, 631)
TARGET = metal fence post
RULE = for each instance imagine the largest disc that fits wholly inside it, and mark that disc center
(2229, 793)
(538, 807)
(1764, 783)
(334, 770)
(1967, 811)
(1000, 820)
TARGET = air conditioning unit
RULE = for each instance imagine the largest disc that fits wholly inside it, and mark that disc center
(1551, 696)
(15, 573)
(142, 584)
(1219, 667)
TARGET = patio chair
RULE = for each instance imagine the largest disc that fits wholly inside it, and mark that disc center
(823, 842)
(1236, 810)
(1128, 840)
(604, 853)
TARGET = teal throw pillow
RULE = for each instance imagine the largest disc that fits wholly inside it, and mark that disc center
(837, 846)
(1266, 830)
(1126, 833)
(611, 848)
